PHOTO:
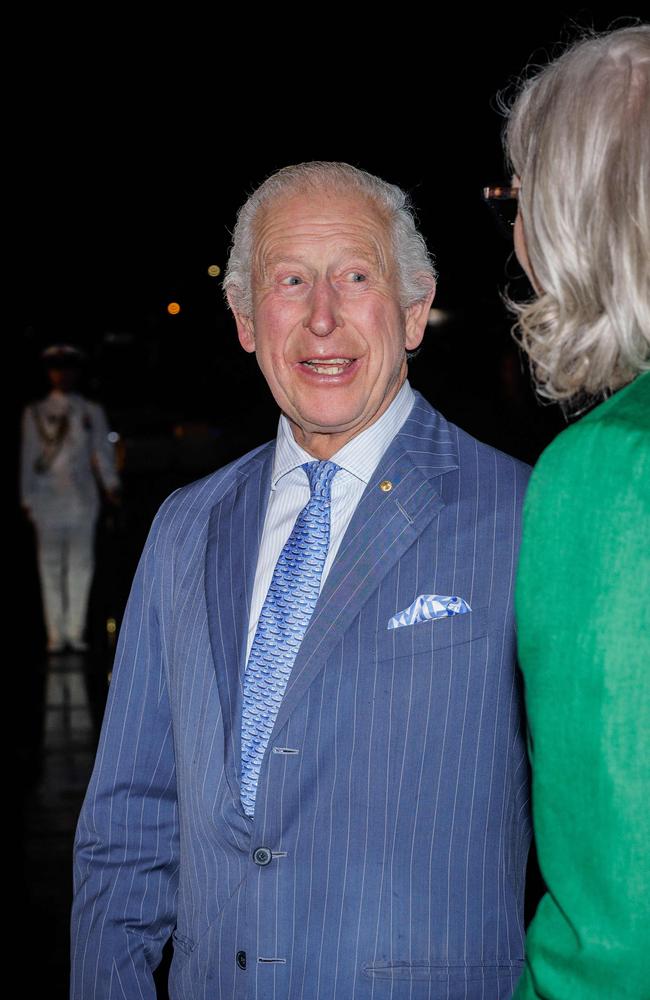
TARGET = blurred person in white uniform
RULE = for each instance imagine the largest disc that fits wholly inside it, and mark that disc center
(66, 457)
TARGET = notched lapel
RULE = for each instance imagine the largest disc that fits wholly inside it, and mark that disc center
(385, 524)
(234, 534)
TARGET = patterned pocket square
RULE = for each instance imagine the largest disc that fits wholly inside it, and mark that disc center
(428, 606)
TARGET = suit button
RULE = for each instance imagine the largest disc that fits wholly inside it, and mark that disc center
(262, 856)
(241, 959)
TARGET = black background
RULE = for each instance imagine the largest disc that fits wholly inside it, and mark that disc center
(136, 143)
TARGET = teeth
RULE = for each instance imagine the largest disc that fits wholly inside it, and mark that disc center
(333, 366)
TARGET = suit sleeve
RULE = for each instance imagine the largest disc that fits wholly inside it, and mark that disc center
(127, 843)
(584, 630)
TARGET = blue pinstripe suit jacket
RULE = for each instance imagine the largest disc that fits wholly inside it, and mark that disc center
(394, 793)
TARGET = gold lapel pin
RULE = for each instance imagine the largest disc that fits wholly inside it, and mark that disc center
(386, 485)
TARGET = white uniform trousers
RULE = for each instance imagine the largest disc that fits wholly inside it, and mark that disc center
(66, 563)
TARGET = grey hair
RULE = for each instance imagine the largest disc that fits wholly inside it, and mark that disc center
(415, 267)
(578, 137)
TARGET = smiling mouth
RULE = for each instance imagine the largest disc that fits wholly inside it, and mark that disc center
(328, 366)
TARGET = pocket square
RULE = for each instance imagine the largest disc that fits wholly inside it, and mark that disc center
(428, 606)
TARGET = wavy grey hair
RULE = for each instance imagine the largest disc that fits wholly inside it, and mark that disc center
(414, 263)
(578, 137)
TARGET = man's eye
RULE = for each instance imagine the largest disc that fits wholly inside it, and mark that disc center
(292, 279)
(356, 276)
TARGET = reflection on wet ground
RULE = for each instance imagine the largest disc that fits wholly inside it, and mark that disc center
(63, 702)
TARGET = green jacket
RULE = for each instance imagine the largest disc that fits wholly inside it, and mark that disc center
(583, 610)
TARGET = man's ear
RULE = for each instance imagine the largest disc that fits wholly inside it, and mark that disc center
(244, 323)
(415, 319)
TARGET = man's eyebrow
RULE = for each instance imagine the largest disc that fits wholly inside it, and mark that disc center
(361, 254)
(371, 256)
(272, 260)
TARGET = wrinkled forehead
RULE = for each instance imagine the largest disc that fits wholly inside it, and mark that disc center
(322, 221)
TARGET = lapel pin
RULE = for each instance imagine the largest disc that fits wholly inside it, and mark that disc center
(386, 485)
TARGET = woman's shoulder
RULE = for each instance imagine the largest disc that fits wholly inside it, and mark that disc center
(609, 434)
(629, 407)
(592, 482)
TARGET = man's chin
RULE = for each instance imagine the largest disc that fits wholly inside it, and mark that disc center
(322, 437)
(327, 423)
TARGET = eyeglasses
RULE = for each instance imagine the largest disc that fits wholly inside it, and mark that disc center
(503, 202)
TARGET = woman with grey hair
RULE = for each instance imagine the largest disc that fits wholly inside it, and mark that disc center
(578, 137)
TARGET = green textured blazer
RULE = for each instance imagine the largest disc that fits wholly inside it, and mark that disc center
(583, 610)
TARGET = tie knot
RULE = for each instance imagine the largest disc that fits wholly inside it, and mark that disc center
(320, 476)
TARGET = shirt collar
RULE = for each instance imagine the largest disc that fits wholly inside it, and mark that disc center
(359, 456)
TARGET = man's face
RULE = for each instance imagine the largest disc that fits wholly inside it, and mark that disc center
(326, 324)
(64, 379)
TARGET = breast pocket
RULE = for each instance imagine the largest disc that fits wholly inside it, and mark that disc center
(432, 635)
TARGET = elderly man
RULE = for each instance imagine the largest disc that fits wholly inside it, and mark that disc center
(311, 771)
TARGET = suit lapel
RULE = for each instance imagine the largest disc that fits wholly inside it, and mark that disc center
(385, 524)
(234, 534)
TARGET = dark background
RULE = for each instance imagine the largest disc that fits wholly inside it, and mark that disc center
(135, 149)
(132, 145)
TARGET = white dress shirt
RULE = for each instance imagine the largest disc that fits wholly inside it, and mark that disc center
(290, 492)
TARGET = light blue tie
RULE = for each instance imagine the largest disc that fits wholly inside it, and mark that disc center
(283, 622)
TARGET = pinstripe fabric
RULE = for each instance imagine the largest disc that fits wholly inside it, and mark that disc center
(290, 492)
(394, 792)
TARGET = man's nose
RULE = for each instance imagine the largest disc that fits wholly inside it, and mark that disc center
(323, 310)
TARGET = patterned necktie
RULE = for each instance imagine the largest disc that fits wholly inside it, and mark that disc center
(283, 622)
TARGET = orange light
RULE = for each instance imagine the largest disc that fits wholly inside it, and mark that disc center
(214, 270)
(173, 308)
